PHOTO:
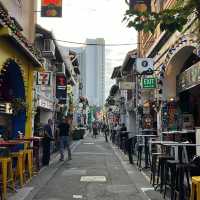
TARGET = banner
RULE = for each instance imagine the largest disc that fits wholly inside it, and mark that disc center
(51, 8)
(44, 78)
(61, 93)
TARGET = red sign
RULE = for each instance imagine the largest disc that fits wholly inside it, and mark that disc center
(51, 8)
(61, 85)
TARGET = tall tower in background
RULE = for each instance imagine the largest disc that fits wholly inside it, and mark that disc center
(94, 71)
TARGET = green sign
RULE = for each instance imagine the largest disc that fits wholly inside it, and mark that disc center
(149, 83)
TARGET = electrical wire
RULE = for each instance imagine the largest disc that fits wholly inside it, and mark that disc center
(82, 43)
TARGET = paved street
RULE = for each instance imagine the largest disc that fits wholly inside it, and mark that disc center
(98, 171)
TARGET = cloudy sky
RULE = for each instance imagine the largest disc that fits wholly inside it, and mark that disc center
(93, 19)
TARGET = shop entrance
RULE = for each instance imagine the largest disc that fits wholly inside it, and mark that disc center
(11, 88)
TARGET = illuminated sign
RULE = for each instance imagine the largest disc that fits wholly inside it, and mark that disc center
(51, 8)
(61, 85)
(44, 78)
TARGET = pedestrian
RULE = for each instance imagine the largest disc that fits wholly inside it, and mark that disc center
(64, 139)
(94, 129)
(46, 142)
(123, 127)
(106, 130)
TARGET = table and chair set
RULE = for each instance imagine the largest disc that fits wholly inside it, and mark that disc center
(18, 162)
(170, 161)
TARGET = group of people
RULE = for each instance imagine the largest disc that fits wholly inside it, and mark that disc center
(62, 138)
(98, 127)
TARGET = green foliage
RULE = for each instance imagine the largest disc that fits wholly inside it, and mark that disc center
(18, 105)
(169, 19)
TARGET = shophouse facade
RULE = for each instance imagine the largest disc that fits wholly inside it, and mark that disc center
(18, 61)
(47, 100)
(176, 60)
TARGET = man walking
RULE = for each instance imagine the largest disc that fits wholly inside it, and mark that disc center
(63, 131)
(46, 142)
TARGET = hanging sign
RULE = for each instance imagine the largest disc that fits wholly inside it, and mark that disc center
(123, 85)
(51, 8)
(44, 78)
(189, 78)
(149, 83)
(61, 93)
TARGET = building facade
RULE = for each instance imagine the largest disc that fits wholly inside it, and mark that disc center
(18, 61)
(94, 71)
(176, 58)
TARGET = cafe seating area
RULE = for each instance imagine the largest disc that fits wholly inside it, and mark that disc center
(18, 163)
(170, 160)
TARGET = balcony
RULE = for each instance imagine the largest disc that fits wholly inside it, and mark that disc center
(49, 49)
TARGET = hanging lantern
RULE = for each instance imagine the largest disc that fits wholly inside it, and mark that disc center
(139, 5)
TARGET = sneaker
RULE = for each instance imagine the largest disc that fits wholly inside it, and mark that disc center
(61, 159)
(70, 158)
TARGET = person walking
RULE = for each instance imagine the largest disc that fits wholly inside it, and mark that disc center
(64, 140)
(46, 142)
(94, 129)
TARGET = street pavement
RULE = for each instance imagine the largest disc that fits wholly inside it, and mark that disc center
(97, 171)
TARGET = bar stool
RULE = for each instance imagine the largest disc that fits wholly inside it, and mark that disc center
(154, 166)
(139, 155)
(6, 166)
(20, 171)
(195, 188)
(181, 172)
(161, 170)
(171, 166)
(28, 156)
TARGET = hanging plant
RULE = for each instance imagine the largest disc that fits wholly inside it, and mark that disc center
(18, 105)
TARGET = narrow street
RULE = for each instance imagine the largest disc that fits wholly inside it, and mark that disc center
(116, 178)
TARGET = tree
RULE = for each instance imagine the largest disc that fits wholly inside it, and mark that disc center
(169, 19)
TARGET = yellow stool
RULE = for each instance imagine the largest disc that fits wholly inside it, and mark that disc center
(20, 166)
(195, 188)
(6, 165)
(28, 154)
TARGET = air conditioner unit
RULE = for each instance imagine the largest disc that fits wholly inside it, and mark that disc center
(61, 68)
(144, 65)
(49, 48)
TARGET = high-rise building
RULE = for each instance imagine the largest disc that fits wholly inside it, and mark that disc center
(94, 71)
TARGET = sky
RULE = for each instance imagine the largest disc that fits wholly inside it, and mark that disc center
(95, 19)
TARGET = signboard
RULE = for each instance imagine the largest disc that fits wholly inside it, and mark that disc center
(189, 78)
(61, 93)
(44, 78)
(149, 83)
(126, 85)
(144, 65)
(51, 8)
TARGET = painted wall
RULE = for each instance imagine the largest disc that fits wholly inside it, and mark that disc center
(23, 11)
(9, 51)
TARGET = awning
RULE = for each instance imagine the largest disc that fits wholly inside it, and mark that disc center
(116, 73)
(129, 60)
(6, 32)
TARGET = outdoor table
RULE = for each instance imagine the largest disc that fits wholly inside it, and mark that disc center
(146, 149)
(176, 132)
(181, 146)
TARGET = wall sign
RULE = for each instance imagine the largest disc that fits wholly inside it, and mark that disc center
(61, 93)
(189, 78)
(149, 83)
(44, 78)
(51, 8)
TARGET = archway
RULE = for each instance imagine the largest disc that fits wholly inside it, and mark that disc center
(12, 87)
(173, 68)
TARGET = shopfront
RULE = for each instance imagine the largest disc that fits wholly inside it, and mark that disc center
(17, 64)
